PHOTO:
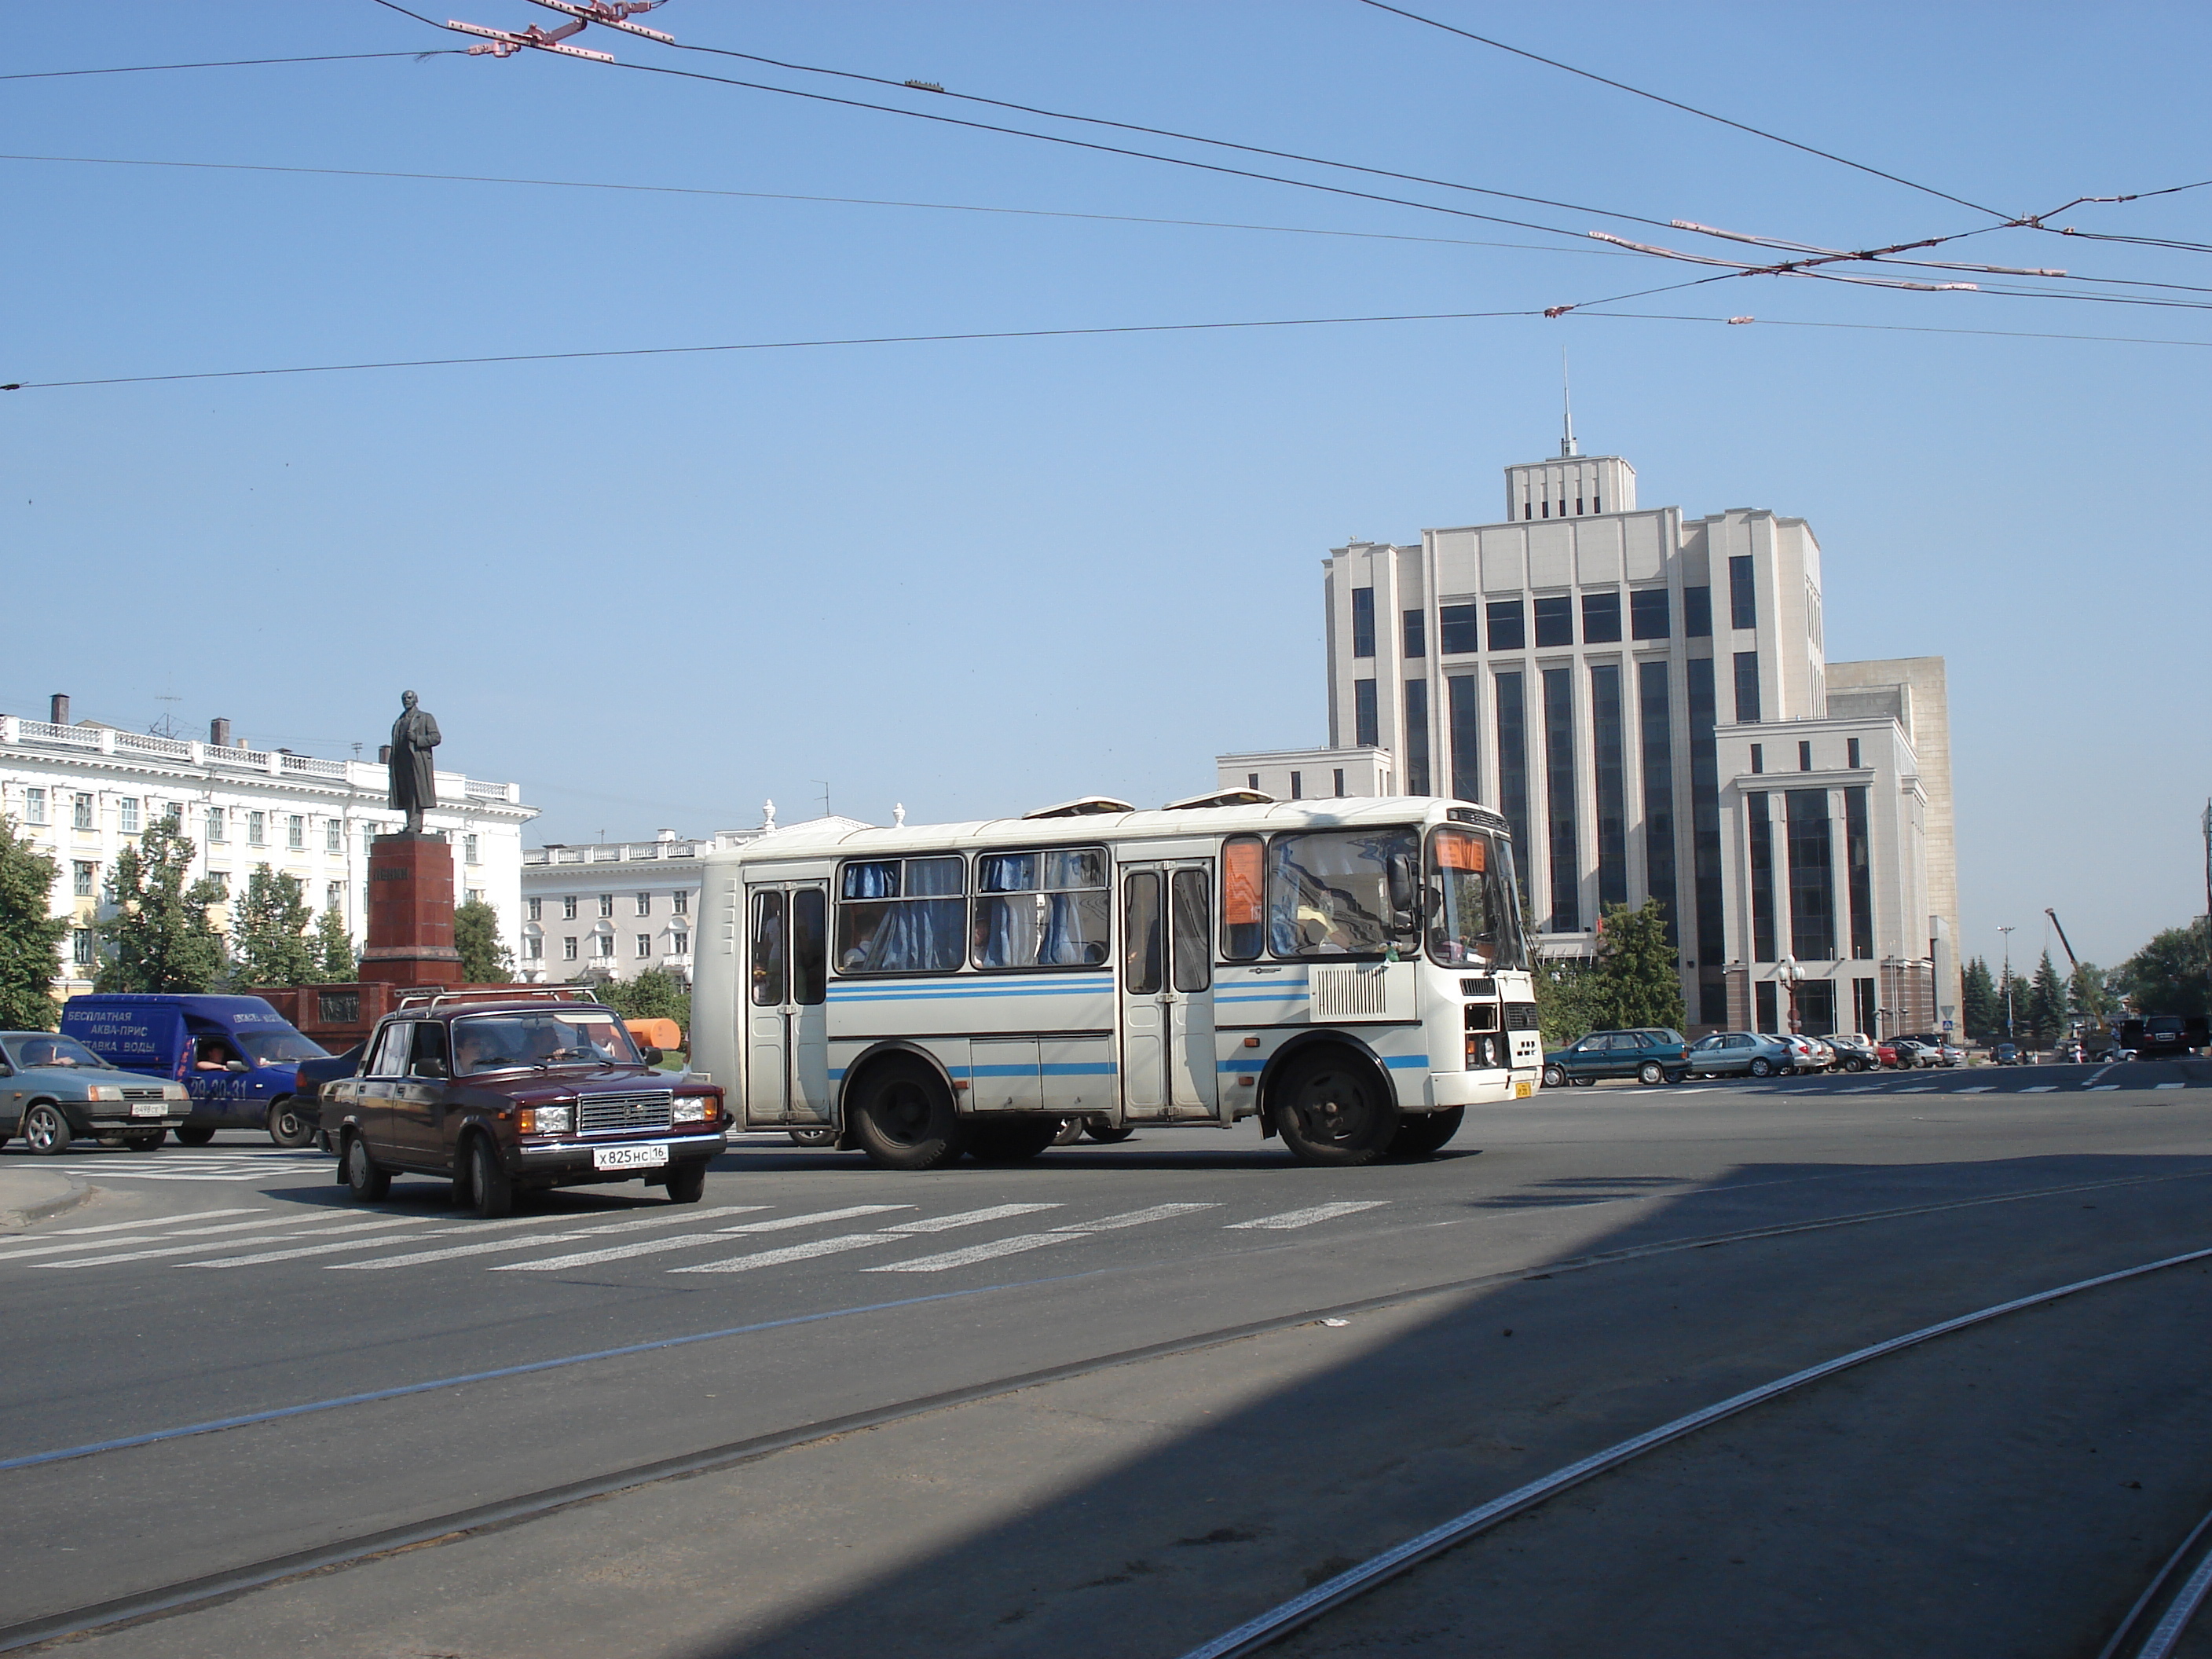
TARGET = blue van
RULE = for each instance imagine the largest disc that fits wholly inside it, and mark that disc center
(236, 1055)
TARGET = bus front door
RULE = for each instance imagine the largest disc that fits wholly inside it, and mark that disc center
(787, 1039)
(1167, 990)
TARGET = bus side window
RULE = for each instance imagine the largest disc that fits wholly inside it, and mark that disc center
(810, 946)
(1193, 938)
(1140, 932)
(767, 949)
(1241, 933)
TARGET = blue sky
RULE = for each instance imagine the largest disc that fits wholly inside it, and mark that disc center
(977, 577)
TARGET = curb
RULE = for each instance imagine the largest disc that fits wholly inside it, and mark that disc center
(15, 1220)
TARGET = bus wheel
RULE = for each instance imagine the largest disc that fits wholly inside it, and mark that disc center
(1013, 1143)
(287, 1128)
(813, 1137)
(1328, 1113)
(905, 1120)
(194, 1134)
(1071, 1131)
(1106, 1133)
(1418, 1137)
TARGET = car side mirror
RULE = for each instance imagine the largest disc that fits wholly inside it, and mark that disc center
(236, 1066)
(651, 1054)
(429, 1068)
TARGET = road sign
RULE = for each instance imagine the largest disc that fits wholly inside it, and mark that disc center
(1947, 1024)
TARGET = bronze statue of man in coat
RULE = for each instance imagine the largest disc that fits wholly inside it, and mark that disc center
(414, 782)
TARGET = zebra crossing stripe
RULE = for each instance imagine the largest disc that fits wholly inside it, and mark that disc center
(289, 1254)
(974, 1253)
(738, 1264)
(1306, 1217)
(1132, 1217)
(125, 1227)
(2041, 1089)
(2170, 1085)
(552, 1264)
(1978, 1089)
(565, 1230)
(937, 1224)
(233, 1243)
(483, 1247)
(2099, 1088)
(785, 1223)
(153, 1232)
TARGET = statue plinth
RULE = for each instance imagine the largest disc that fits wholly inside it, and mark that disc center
(411, 912)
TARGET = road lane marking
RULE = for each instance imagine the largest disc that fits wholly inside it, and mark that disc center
(2101, 1088)
(553, 1264)
(567, 1230)
(974, 1253)
(2171, 1085)
(785, 1223)
(482, 1246)
(123, 1240)
(937, 1224)
(2040, 1089)
(125, 1227)
(230, 1243)
(1978, 1089)
(1290, 1218)
(738, 1264)
(1132, 1217)
(291, 1254)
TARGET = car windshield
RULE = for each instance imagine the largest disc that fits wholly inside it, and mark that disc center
(54, 1051)
(1476, 921)
(492, 1042)
(1328, 892)
(278, 1048)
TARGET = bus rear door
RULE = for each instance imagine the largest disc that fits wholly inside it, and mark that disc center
(788, 1039)
(1167, 990)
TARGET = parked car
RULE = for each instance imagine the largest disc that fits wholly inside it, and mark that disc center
(1856, 1052)
(2164, 1037)
(1821, 1051)
(309, 1077)
(1738, 1053)
(1650, 1055)
(54, 1089)
(2008, 1053)
(1936, 1050)
(234, 1055)
(504, 1094)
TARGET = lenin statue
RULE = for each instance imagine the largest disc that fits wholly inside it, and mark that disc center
(414, 785)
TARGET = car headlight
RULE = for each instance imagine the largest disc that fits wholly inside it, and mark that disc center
(103, 1091)
(175, 1092)
(692, 1109)
(543, 1119)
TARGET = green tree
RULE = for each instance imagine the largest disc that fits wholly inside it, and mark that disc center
(2168, 976)
(160, 937)
(335, 961)
(2022, 994)
(1637, 979)
(656, 994)
(484, 959)
(269, 933)
(1563, 999)
(30, 939)
(2089, 994)
(2046, 1005)
(1979, 1012)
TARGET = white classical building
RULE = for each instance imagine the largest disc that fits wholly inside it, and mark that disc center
(78, 792)
(1646, 699)
(611, 910)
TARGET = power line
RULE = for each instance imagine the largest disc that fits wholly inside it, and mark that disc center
(779, 195)
(1687, 109)
(1891, 328)
(236, 62)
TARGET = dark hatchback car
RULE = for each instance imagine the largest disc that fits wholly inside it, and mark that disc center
(1650, 1055)
(518, 1094)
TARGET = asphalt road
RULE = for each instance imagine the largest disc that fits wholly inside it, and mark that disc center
(1571, 1271)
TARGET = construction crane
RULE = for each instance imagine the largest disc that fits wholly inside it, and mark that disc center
(609, 13)
(2072, 961)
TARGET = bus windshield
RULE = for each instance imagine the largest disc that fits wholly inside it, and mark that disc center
(1328, 893)
(1474, 924)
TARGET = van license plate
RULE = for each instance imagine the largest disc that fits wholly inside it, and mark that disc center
(1522, 1091)
(148, 1109)
(629, 1157)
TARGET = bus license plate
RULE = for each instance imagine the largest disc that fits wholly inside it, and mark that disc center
(1522, 1091)
(629, 1157)
(148, 1109)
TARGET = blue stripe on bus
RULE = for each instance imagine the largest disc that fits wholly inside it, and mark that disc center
(1051, 1068)
(966, 993)
(1406, 1062)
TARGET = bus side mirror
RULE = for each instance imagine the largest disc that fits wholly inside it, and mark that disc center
(1403, 894)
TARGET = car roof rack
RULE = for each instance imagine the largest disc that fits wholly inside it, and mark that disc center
(432, 996)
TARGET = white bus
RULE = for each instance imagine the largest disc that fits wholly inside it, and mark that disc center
(1350, 972)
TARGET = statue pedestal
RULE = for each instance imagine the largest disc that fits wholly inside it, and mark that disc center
(411, 912)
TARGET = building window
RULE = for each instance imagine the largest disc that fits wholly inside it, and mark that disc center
(606, 904)
(1508, 627)
(569, 949)
(680, 944)
(1851, 752)
(1863, 1005)
(295, 832)
(333, 896)
(257, 829)
(644, 944)
(1364, 732)
(683, 899)
(534, 949)
(1816, 1007)
(603, 944)
(34, 807)
(568, 907)
(1508, 698)
(1858, 866)
(1812, 878)
(1297, 786)
(1609, 776)
(1362, 621)
(1758, 757)
(1555, 621)
(1804, 756)
(1697, 613)
(333, 836)
(468, 850)
(537, 908)
(1465, 738)
(1415, 632)
(83, 952)
(1601, 619)
(214, 824)
(1658, 732)
(1746, 688)
(1761, 826)
(1764, 1000)
(220, 878)
(1648, 614)
(474, 895)
(1339, 782)
(1417, 737)
(1252, 781)
(80, 813)
(1561, 838)
(126, 815)
(645, 904)
(1456, 630)
(84, 879)
(1743, 603)
(174, 812)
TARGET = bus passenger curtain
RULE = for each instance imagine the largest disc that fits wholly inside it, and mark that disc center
(1041, 909)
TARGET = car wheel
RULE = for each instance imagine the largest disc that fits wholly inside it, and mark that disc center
(1676, 1077)
(1854, 1064)
(686, 1182)
(1012, 1143)
(1762, 1067)
(146, 1142)
(1422, 1136)
(194, 1134)
(1329, 1114)
(47, 1131)
(1554, 1077)
(905, 1117)
(813, 1137)
(287, 1128)
(1583, 1082)
(1071, 1131)
(490, 1188)
(365, 1182)
(1106, 1133)
(1650, 1072)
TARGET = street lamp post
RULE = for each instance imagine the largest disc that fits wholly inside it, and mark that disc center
(1790, 974)
(2007, 971)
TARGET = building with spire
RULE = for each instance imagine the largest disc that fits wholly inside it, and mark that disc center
(1646, 698)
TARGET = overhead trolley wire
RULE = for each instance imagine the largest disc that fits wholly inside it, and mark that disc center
(236, 62)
